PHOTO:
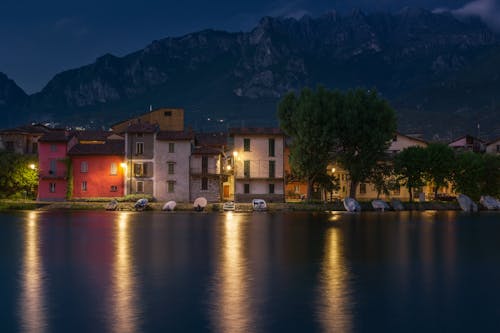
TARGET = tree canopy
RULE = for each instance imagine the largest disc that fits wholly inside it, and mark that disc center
(439, 161)
(17, 178)
(409, 164)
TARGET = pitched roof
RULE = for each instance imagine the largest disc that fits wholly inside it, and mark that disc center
(206, 150)
(175, 135)
(93, 135)
(142, 128)
(256, 131)
(411, 137)
(112, 147)
(56, 136)
(28, 129)
(217, 139)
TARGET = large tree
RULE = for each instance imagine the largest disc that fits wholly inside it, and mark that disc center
(363, 126)
(18, 175)
(409, 165)
(307, 119)
(468, 173)
(439, 161)
(490, 183)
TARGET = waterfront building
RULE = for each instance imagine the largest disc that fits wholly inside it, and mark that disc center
(22, 139)
(139, 155)
(493, 147)
(172, 153)
(468, 143)
(258, 170)
(166, 119)
(98, 168)
(53, 165)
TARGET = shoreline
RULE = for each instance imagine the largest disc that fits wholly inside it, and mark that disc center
(8, 205)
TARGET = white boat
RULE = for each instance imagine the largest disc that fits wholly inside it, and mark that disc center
(169, 206)
(380, 204)
(141, 204)
(228, 206)
(351, 205)
(200, 204)
(489, 203)
(259, 205)
(466, 203)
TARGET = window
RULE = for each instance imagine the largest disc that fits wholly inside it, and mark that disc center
(204, 184)
(167, 113)
(9, 145)
(246, 144)
(170, 186)
(140, 169)
(113, 188)
(246, 169)
(171, 147)
(272, 169)
(53, 148)
(139, 148)
(271, 188)
(171, 168)
(246, 188)
(140, 187)
(84, 186)
(53, 167)
(84, 167)
(204, 165)
(52, 187)
(34, 147)
(362, 188)
(140, 135)
(271, 147)
(113, 169)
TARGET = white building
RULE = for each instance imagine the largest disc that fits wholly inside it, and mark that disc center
(258, 164)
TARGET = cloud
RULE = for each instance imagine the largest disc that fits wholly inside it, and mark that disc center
(487, 10)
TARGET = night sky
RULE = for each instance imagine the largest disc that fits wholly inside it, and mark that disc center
(41, 38)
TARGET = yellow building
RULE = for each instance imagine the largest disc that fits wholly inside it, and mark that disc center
(167, 119)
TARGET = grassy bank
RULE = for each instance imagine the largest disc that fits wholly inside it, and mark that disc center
(156, 206)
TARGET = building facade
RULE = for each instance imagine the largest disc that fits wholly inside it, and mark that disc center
(258, 164)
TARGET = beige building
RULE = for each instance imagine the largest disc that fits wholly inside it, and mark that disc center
(493, 147)
(172, 155)
(206, 174)
(22, 139)
(166, 119)
(258, 164)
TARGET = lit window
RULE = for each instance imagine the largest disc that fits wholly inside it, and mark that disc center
(140, 169)
(139, 148)
(113, 170)
(84, 167)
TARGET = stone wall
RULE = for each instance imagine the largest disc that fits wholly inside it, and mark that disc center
(212, 194)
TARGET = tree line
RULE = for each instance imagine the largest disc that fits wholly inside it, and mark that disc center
(354, 129)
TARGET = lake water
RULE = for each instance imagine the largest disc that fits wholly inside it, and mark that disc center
(260, 272)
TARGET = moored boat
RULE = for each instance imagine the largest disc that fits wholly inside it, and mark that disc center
(169, 206)
(466, 203)
(378, 204)
(351, 205)
(112, 205)
(141, 204)
(200, 204)
(259, 205)
(228, 206)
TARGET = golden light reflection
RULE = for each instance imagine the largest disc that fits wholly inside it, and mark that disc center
(335, 301)
(124, 310)
(233, 305)
(32, 303)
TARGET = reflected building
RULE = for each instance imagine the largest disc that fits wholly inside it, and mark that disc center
(32, 302)
(335, 301)
(123, 302)
(232, 304)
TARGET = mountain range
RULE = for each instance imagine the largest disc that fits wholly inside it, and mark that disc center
(440, 73)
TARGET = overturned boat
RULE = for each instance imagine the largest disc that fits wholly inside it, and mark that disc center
(380, 205)
(169, 206)
(489, 203)
(141, 204)
(112, 205)
(259, 205)
(466, 203)
(351, 205)
(200, 204)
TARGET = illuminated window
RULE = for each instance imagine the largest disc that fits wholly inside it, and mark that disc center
(140, 169)
(113, 170)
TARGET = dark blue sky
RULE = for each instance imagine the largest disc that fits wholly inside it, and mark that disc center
(41, 38)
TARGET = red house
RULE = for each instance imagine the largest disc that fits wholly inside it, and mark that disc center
(53, 164)
(97, 168)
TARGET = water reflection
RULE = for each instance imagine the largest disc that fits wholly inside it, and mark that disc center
(334, 306)
(232, 304)
(32, 307)
(124, 307)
